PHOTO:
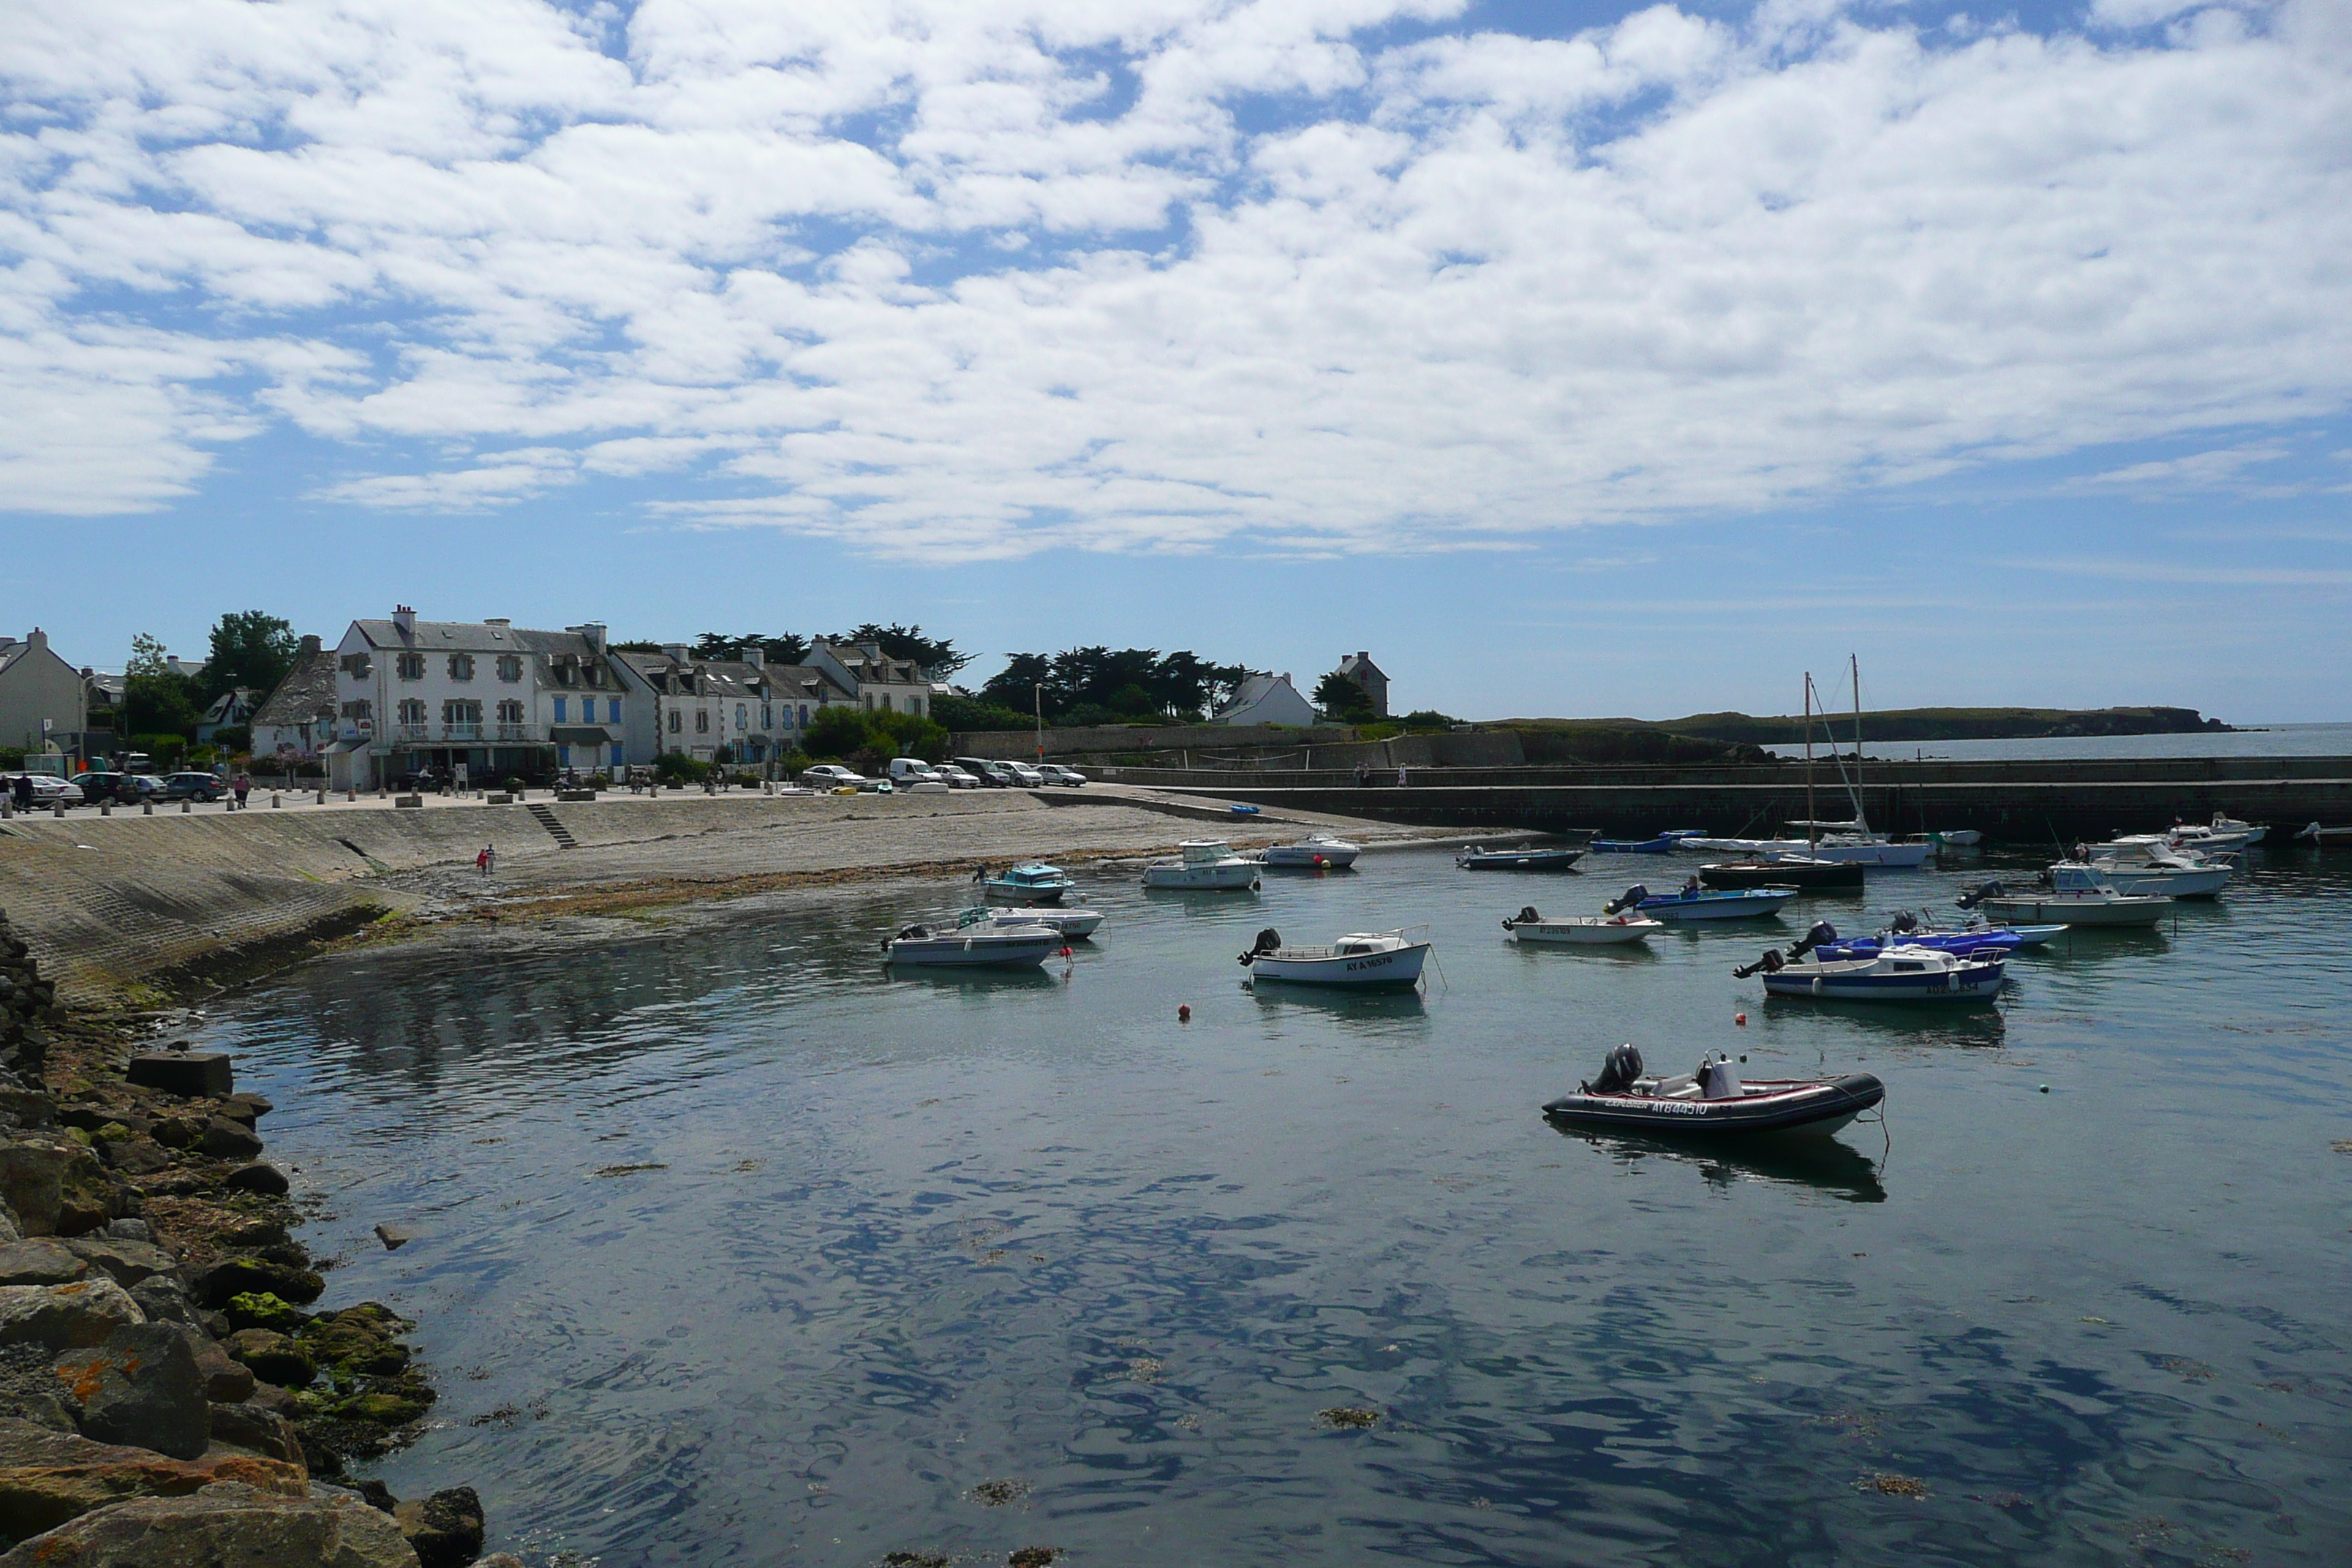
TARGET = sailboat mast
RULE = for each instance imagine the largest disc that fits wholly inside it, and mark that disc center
(1860, 817)
(1812, 828)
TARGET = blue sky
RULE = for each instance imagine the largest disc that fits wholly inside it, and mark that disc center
(1574, 359)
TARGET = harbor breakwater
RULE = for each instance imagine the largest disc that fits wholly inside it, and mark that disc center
(2017, 801)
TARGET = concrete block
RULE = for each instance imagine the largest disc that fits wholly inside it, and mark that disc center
(191, 1074)
(575, 795)
(412, 801)
(501, 798)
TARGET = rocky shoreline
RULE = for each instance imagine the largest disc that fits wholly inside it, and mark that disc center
(171, 1389)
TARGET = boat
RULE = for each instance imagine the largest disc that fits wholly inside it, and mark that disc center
(2224, 822)
(1207, 864)
(1958, 838)
(1579, 930)
(1479, 857)
(977, 940)
(1030, 883)
(1360, 961)
(2166, 871)
(2325, 835)
(1713, 1102)
(2069, 893)
(1319, 851)
(1695, 903)
(1073, 924)
(1793, 871)
(1851, 842)
(1746, 848)
(1824, 943)
(1903, 974)
(1663, 844)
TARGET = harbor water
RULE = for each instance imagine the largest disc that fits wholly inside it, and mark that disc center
(730, 1251)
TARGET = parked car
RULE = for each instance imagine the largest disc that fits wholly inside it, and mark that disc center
(990, 772)
(48, 789)
(1058, 774)
(118, 787)
(833, 775)
(1026, 775)
(910, 770)
(954, 778)
(194, 786)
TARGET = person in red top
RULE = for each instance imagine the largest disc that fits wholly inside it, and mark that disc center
(482, 862)
(241, 786)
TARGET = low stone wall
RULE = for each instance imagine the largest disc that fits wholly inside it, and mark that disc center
(1107, 740)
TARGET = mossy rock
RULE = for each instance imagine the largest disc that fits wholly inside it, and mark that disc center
(387, 1409)
(346, 1345)
(262, 1310)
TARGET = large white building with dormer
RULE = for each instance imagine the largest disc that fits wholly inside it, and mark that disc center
(500, 699)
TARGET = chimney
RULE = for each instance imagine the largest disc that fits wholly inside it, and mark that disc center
(1362, 656)
(497, 621)
(675, 650)
(36, 639)
(593, 630)
(310, 648)
(756, 657)
(406, 619)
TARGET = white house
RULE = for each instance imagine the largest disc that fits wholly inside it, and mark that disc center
(742, 711)
(877, 681)
(296, 720)
(1268, 700)
(1369, 678)
(498, 697)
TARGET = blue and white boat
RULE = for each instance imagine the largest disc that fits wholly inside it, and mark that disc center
(1896, 974)
(1824, 944)
(1664, 843)
(1698, 903)
(1030, 883)
(1479, 857)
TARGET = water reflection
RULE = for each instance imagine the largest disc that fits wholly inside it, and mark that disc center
(1820, 1164)
(1977, 1024)
(1356, 1009)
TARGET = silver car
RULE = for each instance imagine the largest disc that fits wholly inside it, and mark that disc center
(953, 776)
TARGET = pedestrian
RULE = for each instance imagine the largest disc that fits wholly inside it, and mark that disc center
(482, 862)
(1399, 775)
(23, 790)
(1363, 774)
(243, 785)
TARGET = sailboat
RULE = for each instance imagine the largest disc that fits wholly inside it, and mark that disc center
(1852, 843)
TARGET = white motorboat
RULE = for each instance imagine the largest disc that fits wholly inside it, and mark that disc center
(2075, 895)
(977, 940)
(1207, 863)
(1745, 849)
(2165, 871)
(2225, 824)
(1958, 838)
(2325, 835)
(1318, 851)
(1872, 849)
(1896, 975)
(1581, 930)
(1360, 961)
(1071, 923)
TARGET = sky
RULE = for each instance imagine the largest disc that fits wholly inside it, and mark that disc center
(1573, 358)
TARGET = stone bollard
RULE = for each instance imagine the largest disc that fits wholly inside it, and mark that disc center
(146, 809)
(106, 808)
(59, 811)
(322, 797)
(186, 806)
(273, 800)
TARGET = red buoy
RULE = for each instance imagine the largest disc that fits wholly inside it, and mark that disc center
(1183, 1011)
(1740, 1019)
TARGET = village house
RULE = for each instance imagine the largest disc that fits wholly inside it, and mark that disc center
(43, 700)
(742, 711)
(875, 679)
(296, 722)
(1268, 700)
(496, 699)
(1359, 670)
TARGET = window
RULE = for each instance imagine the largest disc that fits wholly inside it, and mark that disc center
(510, 667)
(702, 720)
(674, 722)
(510, 712)
(411, 665)
(460, 713)
(461, 667)
(767, 716)
(360, 709)
(412, 711)
(612, 710)
(869, 702)
(914, 705)
(739, 724)
(559, 709)
(595, 674)
(803, 715)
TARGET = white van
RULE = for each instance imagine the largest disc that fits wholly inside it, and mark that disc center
(914, 776)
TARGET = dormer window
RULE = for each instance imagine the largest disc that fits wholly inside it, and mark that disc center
(595, 674)
(461, 667)
(510, 667)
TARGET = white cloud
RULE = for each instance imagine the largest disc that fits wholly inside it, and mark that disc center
(983, 278)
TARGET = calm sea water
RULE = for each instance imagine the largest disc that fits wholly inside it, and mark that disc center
(2279, 741)
(732, 1251)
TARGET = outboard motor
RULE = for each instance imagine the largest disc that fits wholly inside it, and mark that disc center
(1618, 1071)
(1267, 941)
(1631, 897)
(1770, 963)
(907, 933)
(1904, 923)
(1989, 890)
(1526, 917)
(1822, 936)
(1718, 1079)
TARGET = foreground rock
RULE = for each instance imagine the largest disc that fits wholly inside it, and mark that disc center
(225, 1522)
(47, 1477)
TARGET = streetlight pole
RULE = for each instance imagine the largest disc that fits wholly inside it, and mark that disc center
(1038, 691)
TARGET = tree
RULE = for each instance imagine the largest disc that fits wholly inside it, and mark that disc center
(967, 714)
(834, 732)
(935, 656)
(250, 649)
(1128, 683)
(158, 699)
(1343, 701)
(789, 649)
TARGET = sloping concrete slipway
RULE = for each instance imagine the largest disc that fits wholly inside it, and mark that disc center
(131, 898)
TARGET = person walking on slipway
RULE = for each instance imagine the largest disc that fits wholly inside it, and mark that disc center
(483, 861)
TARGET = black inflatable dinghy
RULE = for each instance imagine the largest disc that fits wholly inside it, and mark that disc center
(1713, 1102)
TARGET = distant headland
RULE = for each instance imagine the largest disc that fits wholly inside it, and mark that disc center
(1938, 724)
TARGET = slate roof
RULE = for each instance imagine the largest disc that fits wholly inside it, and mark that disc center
(308, 692)
(473, 636)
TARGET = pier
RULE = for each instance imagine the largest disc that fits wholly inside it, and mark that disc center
(2019, 802)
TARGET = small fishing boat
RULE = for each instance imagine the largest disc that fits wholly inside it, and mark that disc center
(1908, 974)
(977, 940)
(1360, 961)
(1318, 851)
(1824, 943)
(1579, 930)
(1207, 864)
(1479, 857)
(2069, 893)
(2224, 823)
(1076, 924)
(2169, 872)
(2325, 835)
(1791, 871)
(1663, 844)
(1696, 903)
(1958, 838)
(1030, 883)
(1713, 1102)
